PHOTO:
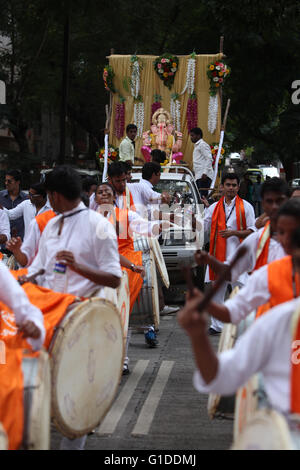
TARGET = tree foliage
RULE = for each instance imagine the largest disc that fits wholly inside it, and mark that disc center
(261, 43)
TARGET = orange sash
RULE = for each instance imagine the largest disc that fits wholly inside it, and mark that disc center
(262, 252)
(11, 396)
(43, 219)
(280, 281)
(217, 246)
(295, 366)
(126, 248)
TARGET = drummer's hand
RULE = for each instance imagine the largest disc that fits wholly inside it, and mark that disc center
(261, 221)
(29, 330)
(140, 270)
(67, 257)
(165, 198)
(14, 244)
(189, 318)
(204, 201)
(201, 257)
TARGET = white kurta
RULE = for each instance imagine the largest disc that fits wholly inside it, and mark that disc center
(16, 299)
(202, 160)
(265, 347)
(247, 263)
(26, 210)
(250, 297)
(232, 243)
(92, 240)
(31, 241)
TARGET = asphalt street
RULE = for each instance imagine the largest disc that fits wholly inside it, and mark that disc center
(156, 407)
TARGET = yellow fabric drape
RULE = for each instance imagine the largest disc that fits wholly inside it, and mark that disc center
(150, 84)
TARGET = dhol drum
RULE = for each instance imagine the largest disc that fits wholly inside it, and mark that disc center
(37, 401)
(269, 430)
(249, 399)
(145, 311)
(3, 439)
(86, 365)
(10, 262)
(121, 298)
(159, 260)
(218, 405)
(225, 405)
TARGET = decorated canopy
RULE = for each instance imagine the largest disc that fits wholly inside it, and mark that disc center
(141, 84)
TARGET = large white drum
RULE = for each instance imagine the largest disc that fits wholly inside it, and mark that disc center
(3, 439)
(121, 298)
(37, 401)
(267, 430)
(218, 405)
(146, 244)
(87, 361)
(145, 311)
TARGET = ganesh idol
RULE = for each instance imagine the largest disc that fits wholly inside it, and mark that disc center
(162, 136)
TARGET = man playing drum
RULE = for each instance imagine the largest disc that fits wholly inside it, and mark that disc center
(270, 346)
(262, 245)
(272, 284)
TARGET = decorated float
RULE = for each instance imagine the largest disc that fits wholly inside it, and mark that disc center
(165, 97)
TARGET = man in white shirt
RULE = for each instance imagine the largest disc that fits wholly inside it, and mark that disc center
(274, 193)
(143, 193)
(28, 209)
(82, 240)
(266, 347)
(227, 233)
(202, 161)
(4, 227)
(127, 146)
(260, 289)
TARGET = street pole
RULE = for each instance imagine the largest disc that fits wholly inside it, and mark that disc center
(65, 86)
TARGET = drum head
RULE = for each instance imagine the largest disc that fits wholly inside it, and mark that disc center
(37, 402)
(87, 362)
(266, 430)
(227, 340)
(160, 262)
(3, 439)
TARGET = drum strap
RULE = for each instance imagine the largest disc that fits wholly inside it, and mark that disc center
(63, 217)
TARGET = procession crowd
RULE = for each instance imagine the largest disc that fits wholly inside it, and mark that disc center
(75, 239)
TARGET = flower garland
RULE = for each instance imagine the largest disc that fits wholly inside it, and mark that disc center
(175, 111)
(213, 106)
(155, 105)
(139, 116)
(192, 112)
(135, 76)
(108, 77)
(214, 151)
(166, 67)
(190, 75)
(120, 118)
(216, 73)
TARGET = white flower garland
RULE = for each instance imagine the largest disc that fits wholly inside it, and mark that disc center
(190, 77)
(139, 115)
(135, 79)
(213, 107)
(175, 114)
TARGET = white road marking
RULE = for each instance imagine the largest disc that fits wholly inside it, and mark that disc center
(114, 415)
(148, 411)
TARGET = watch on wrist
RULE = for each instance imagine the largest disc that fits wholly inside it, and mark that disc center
(132, 266)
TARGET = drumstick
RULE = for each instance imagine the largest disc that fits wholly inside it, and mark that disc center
(32, 277)
(188, 278)
(209, 295)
